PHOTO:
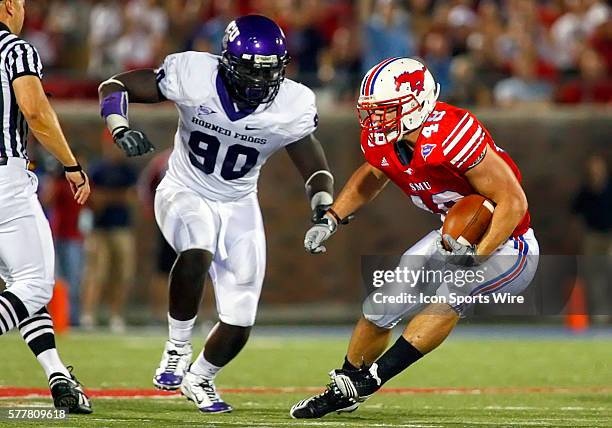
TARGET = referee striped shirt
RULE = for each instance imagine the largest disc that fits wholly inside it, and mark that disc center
(17, 58)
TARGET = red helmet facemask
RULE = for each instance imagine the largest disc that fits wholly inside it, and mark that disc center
(379, 121)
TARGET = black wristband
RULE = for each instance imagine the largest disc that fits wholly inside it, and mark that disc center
(335, 215)
(75, 168)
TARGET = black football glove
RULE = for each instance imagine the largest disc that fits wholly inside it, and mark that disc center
(132, 142)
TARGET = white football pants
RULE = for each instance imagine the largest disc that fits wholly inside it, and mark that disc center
(26, 246)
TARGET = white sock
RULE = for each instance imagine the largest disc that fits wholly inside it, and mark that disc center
(180, 331)
(51, 363)
(203, 368)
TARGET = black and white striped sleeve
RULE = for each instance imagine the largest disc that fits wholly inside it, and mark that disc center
(23, 60)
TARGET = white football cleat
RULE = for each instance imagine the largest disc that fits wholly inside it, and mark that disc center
(174, 363)
(204, 394)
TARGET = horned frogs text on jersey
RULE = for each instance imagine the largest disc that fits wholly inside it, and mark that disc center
(219, 151)
(451, 143)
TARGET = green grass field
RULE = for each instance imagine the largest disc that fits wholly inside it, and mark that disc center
(530, 382)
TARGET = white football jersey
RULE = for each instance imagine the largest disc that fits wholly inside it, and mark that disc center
(219, 151)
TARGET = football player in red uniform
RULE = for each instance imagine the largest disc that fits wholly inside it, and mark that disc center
(437, 154)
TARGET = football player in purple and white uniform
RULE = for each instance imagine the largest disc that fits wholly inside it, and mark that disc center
(235, 110)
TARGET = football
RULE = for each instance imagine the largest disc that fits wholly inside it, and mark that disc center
(468, 220)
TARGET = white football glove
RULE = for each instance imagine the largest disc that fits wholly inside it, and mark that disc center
(460, 255)
(318, 234)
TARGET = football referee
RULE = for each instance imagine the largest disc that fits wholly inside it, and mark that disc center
(26, 245)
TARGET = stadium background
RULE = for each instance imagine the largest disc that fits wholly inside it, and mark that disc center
(536, 72)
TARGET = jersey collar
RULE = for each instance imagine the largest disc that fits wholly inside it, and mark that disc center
(230, 108)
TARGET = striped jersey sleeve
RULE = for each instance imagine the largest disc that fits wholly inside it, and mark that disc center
(466, 145)
(22, 59)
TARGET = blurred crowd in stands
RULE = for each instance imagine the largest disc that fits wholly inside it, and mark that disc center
(483, 52)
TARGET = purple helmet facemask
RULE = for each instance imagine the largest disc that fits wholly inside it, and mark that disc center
(254, 59)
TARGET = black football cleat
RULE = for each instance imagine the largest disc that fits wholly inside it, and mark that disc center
(331, 400)
(68, 393)
(357, 385)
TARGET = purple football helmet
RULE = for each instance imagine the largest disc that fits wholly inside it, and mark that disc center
(254, 59)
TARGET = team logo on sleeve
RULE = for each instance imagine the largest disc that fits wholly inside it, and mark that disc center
(416, 80)
(426, 150)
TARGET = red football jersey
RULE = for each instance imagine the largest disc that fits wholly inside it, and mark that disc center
(451, 142)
